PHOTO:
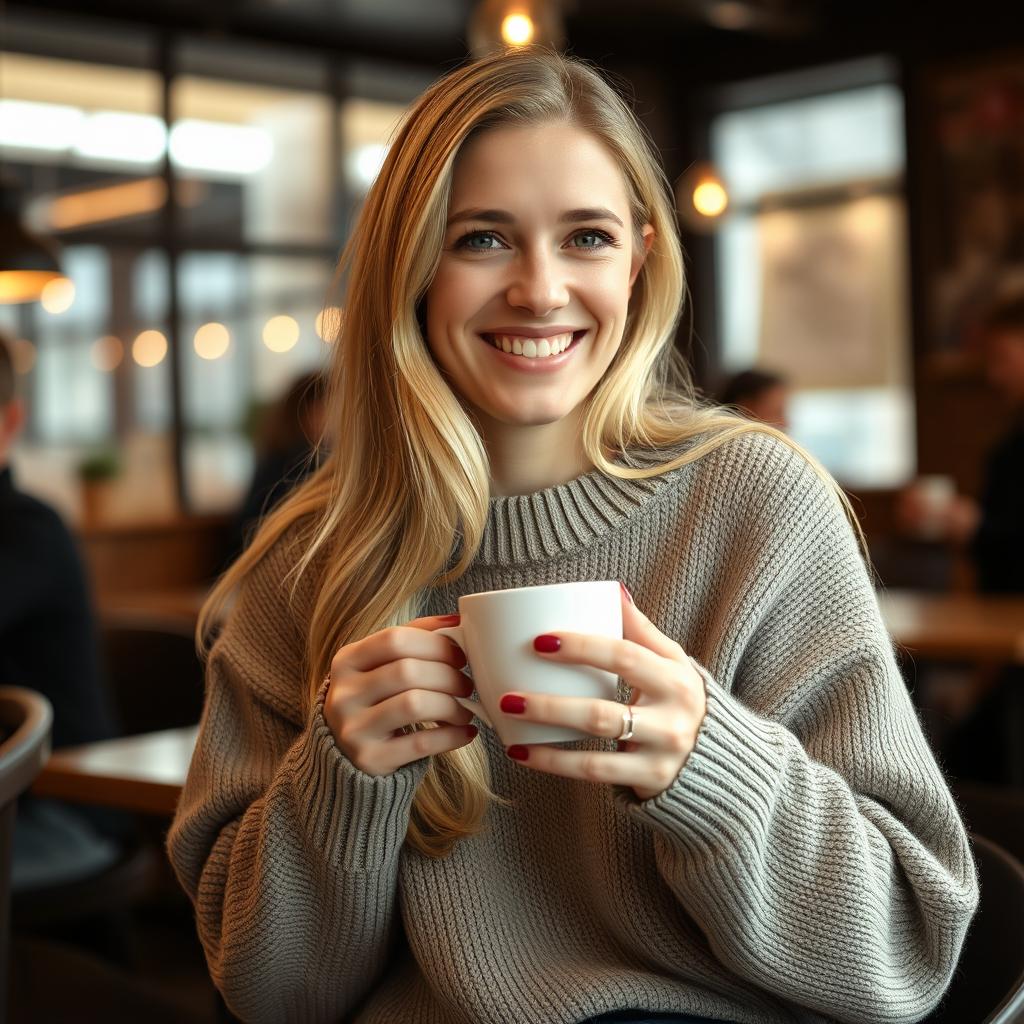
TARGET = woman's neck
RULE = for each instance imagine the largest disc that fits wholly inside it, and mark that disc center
(529, 459)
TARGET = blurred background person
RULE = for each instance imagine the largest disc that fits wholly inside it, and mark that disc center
(48, 643)
(990, 714)
(759, 394)
(992, 529)
(286, 453)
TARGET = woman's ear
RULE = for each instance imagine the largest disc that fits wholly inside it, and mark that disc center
(640, 254)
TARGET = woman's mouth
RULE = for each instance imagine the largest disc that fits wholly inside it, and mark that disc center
(534, 348)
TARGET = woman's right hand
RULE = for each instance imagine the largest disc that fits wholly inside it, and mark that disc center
(392, 679)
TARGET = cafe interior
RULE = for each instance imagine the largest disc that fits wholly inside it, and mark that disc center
(177, 180)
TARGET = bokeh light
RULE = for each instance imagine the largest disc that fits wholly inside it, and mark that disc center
(328, 323)
(149, 348)
(710, 198)
(107, 353)
(58, 295)
(517, 29)
(211, 341)
(281, 333)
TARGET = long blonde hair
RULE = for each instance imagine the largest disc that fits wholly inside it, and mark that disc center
(404, 491)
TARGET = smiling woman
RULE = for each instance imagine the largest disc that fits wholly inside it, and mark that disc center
(754, 831)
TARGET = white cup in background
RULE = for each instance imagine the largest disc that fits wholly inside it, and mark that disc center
(497, 632)
(934, 495)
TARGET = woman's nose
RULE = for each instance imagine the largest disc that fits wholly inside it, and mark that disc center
(538, 285)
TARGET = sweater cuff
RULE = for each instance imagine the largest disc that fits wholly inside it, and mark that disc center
(722, 798)
(356, 821)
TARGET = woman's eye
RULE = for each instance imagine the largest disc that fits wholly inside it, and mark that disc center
(593, 239)
(486, 240)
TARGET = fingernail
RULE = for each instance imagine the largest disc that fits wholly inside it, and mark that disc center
(518, 753)
(471, 731)
(513, 704)
(626, 593)
(460, 656)
(546, 643)
(454, 619)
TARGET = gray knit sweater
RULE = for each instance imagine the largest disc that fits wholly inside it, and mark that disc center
(807, 864)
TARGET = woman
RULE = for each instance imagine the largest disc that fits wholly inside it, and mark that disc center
(773, 843)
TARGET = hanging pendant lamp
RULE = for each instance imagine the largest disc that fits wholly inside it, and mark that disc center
(27, 262)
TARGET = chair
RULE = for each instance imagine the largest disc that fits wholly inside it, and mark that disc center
(155, 680)
(153, 670)
(996, 812)
(988, 986)
(26, 720)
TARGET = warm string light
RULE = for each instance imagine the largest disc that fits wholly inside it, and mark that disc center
(328, 323)
(281, 333)
(107, 353)
(149, 348)
(211, 341)
(58, 296)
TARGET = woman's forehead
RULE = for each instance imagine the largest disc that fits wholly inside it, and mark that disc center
(561, 166)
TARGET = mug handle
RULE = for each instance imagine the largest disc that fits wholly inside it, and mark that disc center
(457, 634)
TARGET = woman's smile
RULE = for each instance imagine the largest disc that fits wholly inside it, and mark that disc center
(534, 353)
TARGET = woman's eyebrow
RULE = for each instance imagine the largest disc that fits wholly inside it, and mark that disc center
(504, 217)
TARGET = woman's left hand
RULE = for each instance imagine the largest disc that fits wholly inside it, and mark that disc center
(668, 704)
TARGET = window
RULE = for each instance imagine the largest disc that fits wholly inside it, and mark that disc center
(812, 271)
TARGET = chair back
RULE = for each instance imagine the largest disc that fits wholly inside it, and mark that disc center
(988, 986)
(26, 720)
(154, 673)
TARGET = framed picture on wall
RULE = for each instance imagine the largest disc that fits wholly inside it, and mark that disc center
(973, 215)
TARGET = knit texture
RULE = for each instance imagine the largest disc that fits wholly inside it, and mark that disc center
(807, 864)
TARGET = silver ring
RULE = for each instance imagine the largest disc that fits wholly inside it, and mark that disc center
(627, 724)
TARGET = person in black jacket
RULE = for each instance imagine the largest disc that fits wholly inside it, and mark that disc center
(48, 643)
(998, 543)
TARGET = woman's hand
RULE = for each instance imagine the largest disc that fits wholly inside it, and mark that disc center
(668, 707)
(390, 680)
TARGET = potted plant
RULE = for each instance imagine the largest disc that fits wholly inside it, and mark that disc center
(95, 473)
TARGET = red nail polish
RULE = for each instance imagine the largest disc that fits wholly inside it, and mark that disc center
(626, 593)
(453, 619)
(460, 656)
(518, 753)
(546, 643)
(471, 731)
(512, 704)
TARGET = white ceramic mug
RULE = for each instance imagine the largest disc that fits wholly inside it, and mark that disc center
(497, 632)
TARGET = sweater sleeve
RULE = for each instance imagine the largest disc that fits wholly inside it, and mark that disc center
(810, 833)
(288, 852)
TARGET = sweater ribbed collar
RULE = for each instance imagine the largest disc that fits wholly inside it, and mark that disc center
(564, 519)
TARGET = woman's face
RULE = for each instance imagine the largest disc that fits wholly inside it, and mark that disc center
(529, 301)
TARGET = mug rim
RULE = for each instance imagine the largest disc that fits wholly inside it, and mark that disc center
(541, 586)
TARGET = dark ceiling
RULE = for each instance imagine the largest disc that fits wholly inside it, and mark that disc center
(707, 39)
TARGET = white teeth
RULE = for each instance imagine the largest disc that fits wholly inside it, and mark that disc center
(532, 348)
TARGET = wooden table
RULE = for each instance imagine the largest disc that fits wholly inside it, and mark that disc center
(134, 773)
(175, 602)
(956, 626)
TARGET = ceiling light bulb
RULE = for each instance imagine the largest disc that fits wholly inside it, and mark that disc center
(710, 198)
(517, 29)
